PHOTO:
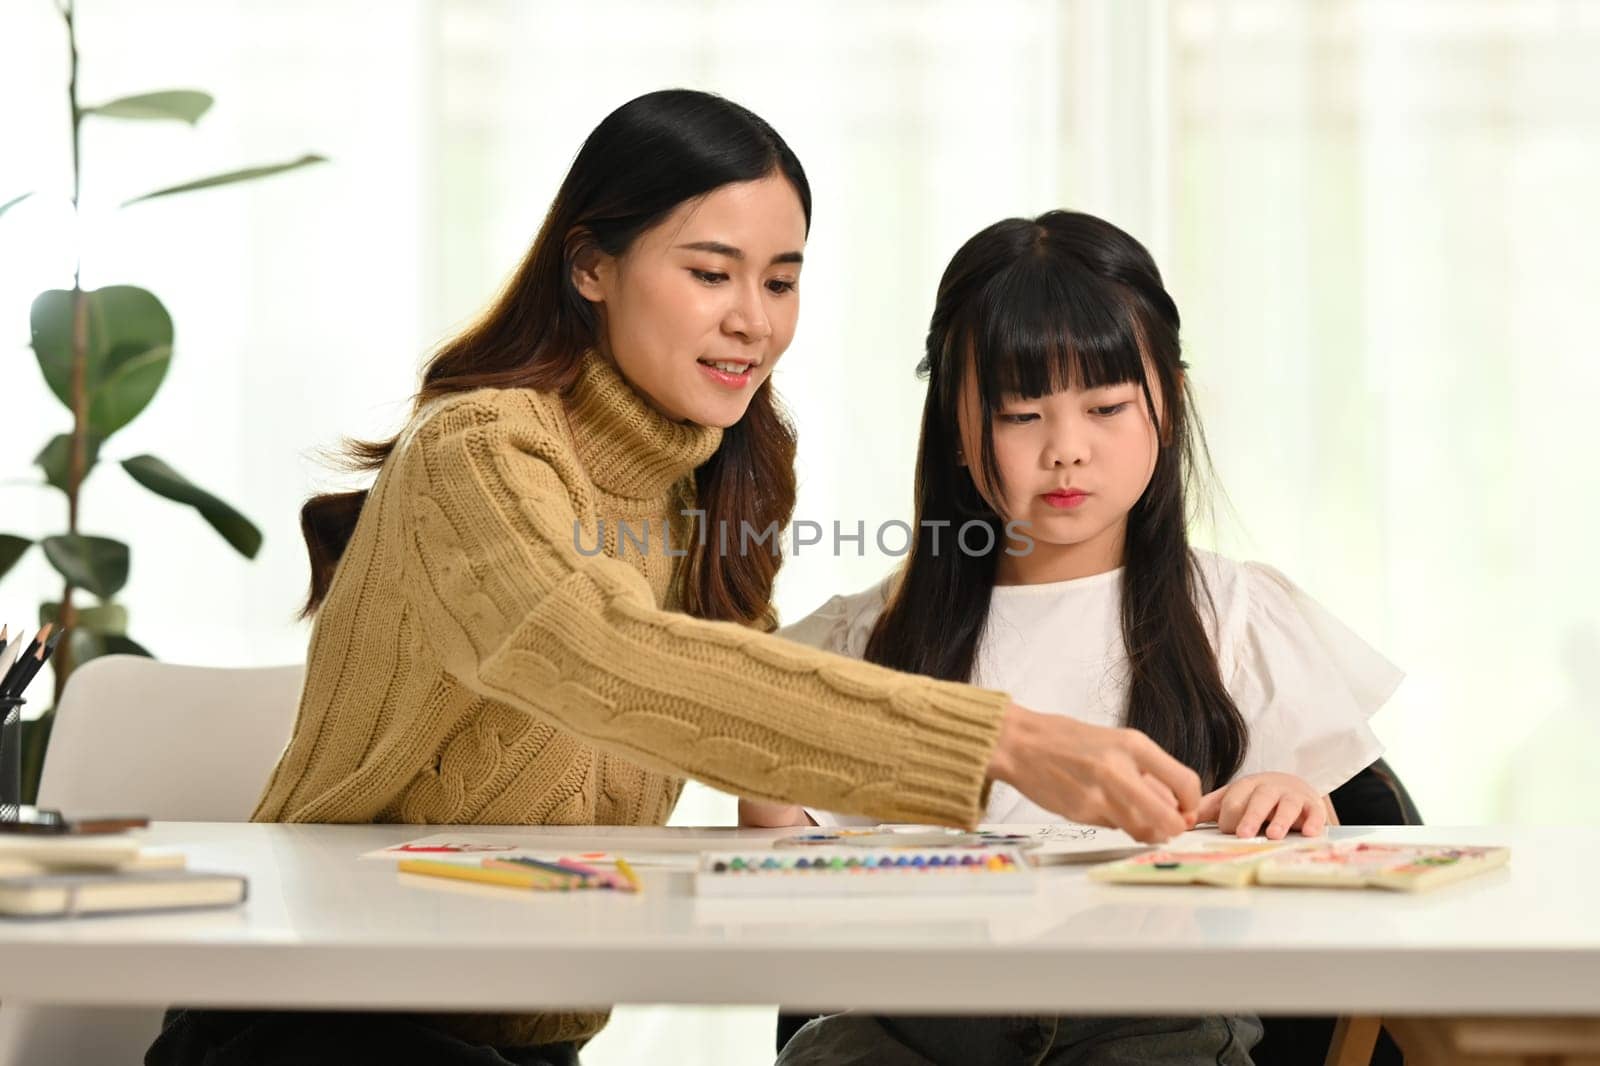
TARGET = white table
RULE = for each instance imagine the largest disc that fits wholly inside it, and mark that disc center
(323, 928)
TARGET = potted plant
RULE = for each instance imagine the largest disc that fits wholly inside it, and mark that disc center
(104, 354)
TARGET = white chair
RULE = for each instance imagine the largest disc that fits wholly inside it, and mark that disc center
(175, 743)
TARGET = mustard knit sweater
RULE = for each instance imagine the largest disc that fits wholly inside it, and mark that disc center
(472, 666)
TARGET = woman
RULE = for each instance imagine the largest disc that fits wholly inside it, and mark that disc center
(495, 643)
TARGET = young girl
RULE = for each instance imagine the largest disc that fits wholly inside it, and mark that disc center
(1058, 436)
(477, 659)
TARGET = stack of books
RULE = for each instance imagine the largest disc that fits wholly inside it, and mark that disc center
(63, 872)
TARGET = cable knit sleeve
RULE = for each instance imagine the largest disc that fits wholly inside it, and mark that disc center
(518, 614)
(843, 625)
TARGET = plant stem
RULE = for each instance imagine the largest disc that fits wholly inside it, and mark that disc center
(77, 126)
(78, 458)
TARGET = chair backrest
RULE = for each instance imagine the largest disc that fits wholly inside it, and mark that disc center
(175, 743)
(1375, 796)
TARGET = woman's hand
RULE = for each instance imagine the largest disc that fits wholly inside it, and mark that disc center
(1270, 804)
(1095, 774)
(771, 815)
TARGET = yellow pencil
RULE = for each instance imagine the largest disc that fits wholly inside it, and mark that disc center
(627, 871)
(481, 874)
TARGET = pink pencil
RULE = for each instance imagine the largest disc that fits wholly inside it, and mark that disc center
(611, 880)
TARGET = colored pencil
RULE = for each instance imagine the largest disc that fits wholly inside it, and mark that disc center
(553, 867)
(627, 871)
(610, 880)
(488, 875)
(544, 878)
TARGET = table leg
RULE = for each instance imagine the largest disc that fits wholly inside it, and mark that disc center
(1497, 1041)
(1354, 1037)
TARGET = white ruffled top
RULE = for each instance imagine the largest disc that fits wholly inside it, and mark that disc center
(1305, 684)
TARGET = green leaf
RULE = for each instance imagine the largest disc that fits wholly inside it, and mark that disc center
(12, 548)
(98, 564)
(124, 322)
(183, 105)
(106, 619)
(120, 645)
(13, 202)
(51, 320)
(128, 389)
(232, 176)
(35, 738)
(90, 645)
(86, 644)
(162, 480)
(55, 456)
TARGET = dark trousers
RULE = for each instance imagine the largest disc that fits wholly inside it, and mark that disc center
(327, 1038)
(852, 1039)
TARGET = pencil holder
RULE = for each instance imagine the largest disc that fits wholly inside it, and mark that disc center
(10, 759)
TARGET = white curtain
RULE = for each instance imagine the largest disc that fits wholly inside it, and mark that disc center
(1377, 219)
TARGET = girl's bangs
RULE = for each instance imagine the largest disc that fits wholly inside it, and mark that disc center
(1040, 327)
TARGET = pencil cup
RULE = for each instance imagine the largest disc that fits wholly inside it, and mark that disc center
(10, 759)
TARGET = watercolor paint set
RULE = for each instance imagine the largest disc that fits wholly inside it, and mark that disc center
(857, 871)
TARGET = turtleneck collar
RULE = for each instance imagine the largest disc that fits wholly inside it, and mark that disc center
(627, 447)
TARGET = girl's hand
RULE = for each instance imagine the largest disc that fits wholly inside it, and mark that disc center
(1096, 774)
(1269, 804)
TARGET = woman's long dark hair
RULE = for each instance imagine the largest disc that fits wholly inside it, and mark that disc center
(1028, 307)
(643, 160)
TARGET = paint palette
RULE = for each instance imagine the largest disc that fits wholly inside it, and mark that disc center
(856, 871)
(1222, 864)
(1401, 867)
(1339, 864)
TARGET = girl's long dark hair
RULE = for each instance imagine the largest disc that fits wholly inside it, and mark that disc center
(643, 160)
(1030, 307)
